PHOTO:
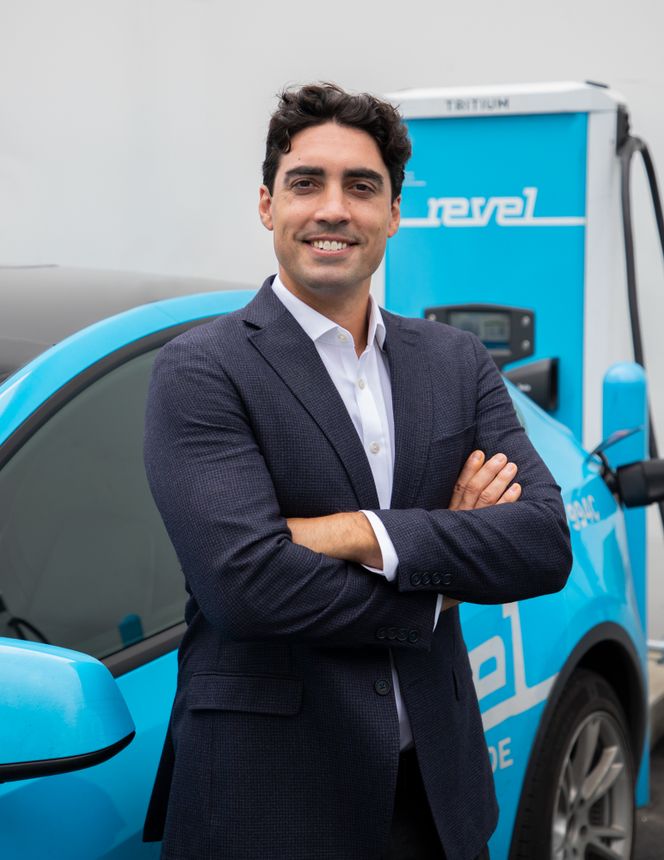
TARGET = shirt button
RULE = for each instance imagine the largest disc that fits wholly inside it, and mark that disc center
(382, 686)
(374, 447)
(342, 337)
(361, 383)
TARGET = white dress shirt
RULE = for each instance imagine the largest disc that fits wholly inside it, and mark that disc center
(364, 386)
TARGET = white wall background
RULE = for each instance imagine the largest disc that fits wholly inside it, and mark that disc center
(131, 131)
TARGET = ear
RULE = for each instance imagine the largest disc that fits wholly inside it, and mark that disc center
(395, 217)
(265, 207)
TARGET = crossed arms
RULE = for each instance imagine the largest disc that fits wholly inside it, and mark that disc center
(351, 537)
(249, 576)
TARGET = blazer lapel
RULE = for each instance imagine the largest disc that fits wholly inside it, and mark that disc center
(293, 356)
(412, 405)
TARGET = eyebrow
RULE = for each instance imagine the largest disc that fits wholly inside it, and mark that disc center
(351, 173)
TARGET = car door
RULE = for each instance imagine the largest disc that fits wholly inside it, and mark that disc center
(86, 563)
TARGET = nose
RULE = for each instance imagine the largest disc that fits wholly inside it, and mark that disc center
(332, 205)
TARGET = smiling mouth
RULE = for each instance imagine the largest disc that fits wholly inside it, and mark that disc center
(330, 246)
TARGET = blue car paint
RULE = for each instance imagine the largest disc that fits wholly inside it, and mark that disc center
(71, 700)
(518, 649)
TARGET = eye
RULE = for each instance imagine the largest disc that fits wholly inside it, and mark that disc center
(363, 188)
(303, 185)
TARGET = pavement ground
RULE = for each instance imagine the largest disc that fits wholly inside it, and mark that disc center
(650, 819)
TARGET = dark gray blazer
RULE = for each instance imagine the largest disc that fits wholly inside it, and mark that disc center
(284, 740)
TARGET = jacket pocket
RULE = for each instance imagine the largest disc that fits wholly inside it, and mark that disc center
(256, 694)
(446, 435)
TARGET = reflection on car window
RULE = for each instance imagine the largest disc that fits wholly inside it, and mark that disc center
(85, 561)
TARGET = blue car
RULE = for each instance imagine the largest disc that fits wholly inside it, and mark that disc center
(86, 565)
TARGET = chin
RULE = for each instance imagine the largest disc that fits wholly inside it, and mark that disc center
(328, 279)
(331, 285)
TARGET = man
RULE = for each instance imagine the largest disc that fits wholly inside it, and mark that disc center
(320, 467)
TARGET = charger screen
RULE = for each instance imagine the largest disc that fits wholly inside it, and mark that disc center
(492, 327)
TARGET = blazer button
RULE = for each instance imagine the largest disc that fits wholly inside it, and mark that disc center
(435, 578)
(391, 632)
(447, 579)
(402, 634)
(413, 635)
(426, 579)
(415, 579)
(382, 686)
(381, 633)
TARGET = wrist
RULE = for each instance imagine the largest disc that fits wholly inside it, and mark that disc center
(368, 547)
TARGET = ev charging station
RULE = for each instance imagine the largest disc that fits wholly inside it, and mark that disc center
(512, 226)
(512, 198)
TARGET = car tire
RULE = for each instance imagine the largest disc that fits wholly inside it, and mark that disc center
(578, 801)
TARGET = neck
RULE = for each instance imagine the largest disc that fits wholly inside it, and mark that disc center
(348, 310)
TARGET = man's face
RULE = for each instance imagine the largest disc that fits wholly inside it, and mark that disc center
(330, 211)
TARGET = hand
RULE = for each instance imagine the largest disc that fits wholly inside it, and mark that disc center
(483, 483)
(480, 485)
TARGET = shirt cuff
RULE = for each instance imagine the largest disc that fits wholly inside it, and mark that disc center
(439, 609)
(390, 558)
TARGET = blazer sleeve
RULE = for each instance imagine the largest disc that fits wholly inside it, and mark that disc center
(213, 489)
(492, 555)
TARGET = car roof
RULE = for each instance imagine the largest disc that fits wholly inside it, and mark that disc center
(41, 305)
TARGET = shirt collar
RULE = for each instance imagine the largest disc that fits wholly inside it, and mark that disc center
(316, 325)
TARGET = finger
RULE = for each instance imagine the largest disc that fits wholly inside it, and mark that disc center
(479, 483)
(511, 494)
(495, 489)
(467, 473)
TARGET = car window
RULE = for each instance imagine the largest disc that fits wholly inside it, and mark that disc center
(85, 561)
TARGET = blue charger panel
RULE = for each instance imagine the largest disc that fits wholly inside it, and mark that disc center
(493, 212)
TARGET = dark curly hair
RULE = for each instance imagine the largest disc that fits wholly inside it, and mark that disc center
(315, 104)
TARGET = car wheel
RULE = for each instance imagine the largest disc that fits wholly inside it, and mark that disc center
(578, 803)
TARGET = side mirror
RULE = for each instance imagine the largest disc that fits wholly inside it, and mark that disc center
(638, 484)
(59, 711)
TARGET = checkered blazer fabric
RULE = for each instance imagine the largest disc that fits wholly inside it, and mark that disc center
(284, 739)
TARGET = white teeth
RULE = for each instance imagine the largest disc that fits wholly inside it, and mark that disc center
(328, 245)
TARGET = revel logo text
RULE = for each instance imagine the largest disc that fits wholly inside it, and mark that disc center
(481, 211)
